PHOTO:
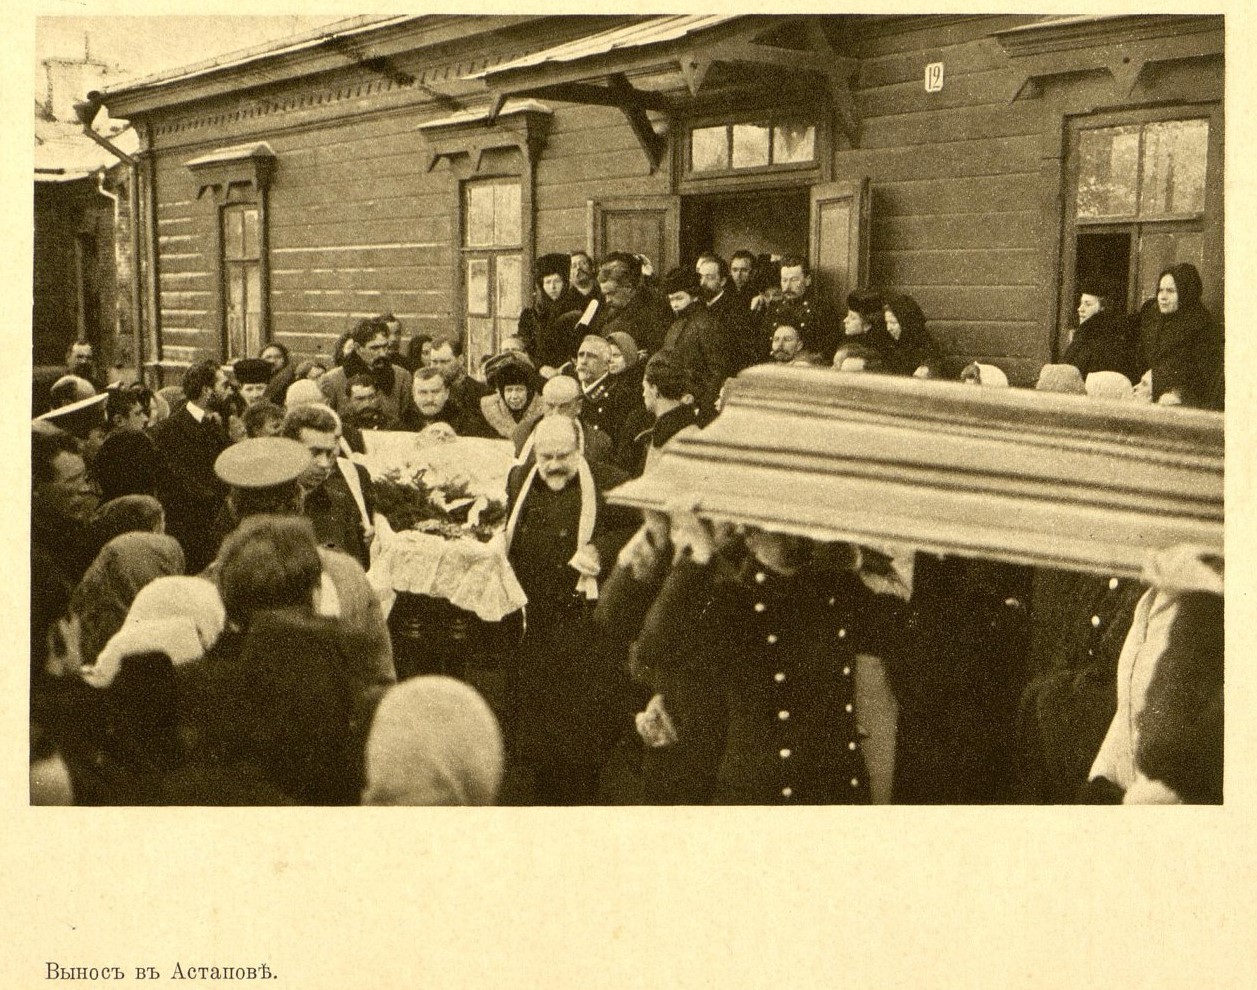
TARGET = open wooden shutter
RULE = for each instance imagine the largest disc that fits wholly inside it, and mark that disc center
(648, 225)
(839, 238)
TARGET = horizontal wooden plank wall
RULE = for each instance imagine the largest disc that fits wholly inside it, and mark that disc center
(591, 154)
(956, 218)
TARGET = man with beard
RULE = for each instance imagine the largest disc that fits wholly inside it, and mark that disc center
(553, 297)
(465, 391)
(568, 708)
(697, 341)
(803, 308)
(432, 404)
(370, 357)
(628, 304)
(582, 277)
(189, 441)
(337, 491)
(80, 361)
(366, 411)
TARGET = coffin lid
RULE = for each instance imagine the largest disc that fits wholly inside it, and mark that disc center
(1004, 474)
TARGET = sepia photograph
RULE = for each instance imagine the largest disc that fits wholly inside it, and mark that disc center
(626, 411)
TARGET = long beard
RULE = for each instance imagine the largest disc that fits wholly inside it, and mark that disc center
(382, 374)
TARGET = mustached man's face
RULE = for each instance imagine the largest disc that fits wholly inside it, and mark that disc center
(558, 458)
(376, 352)
(430, 395)
(786, 344)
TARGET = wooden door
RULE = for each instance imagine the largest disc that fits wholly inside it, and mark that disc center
(839, 238)
(648, 225)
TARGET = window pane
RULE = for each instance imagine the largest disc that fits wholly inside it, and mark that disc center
(251, 242)
(508, 272)
(709, 149)
(1174, 167)
(235, 312)
(253, 309)
(478, 286)
(233, 233)
(1108, 168)
(1158, 251)
(506, 213)
(750, 145)
(479, 341)
(793, 143)
(479, 227)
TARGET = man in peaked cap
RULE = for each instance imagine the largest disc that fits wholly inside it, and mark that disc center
(253, 375)
(264, 475)
(84, 420)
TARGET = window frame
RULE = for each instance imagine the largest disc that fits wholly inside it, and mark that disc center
(227, 265)
(490, 253)
(1209, 222)
(819, 169)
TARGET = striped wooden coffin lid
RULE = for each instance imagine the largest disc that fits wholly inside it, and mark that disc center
(1019, 476)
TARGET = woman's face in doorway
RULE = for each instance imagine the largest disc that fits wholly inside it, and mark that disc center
(892, 323)
(854, 324)
(615, 360)
(1088, 306)
(1167, 295)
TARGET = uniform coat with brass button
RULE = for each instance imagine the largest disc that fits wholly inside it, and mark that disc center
(760, 681)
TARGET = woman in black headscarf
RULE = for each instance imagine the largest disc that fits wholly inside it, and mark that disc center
(1181, 344)
(905, 346)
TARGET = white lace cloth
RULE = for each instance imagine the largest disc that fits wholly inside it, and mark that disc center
(472, 575)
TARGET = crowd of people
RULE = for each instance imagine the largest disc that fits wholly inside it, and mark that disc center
(204, 631)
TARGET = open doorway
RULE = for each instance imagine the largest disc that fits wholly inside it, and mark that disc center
(772, 222)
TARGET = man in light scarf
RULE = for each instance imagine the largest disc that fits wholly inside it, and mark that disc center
(567, 704)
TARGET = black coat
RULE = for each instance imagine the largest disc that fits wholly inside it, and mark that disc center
(757, 673)
(1108, 341)
(633, 454)
(742, 329)
(646, 319)
(548, 344)
(189, 449)
(696, 340)
(1184, 351)
(568, 704)
(914, 348)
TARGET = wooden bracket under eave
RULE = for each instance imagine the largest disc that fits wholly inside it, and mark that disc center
(652, 144)
(694, 71)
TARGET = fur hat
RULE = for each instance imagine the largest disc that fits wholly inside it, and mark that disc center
(252, 371)
(552, 264)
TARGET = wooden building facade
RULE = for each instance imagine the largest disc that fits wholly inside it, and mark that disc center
(418, 165)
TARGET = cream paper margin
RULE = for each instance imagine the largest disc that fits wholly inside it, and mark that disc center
(622, 897)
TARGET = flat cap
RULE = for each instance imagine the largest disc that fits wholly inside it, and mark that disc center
(262, 462)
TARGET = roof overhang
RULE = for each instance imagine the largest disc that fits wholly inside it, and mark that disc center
(1124, 45)
(673, 55)
(1004, 474)
(370, 42)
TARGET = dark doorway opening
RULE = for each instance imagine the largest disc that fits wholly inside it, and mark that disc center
(772, 222)
(1104, 257)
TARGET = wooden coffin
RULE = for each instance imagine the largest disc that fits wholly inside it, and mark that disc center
(1018, 476)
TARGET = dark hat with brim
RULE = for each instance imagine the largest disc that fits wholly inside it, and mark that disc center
(252, 371)
(79, 418)
(262, 462)
(553, 264)
(681, 279)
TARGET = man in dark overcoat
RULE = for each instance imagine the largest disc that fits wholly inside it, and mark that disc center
(190, 440)
(568, 707)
